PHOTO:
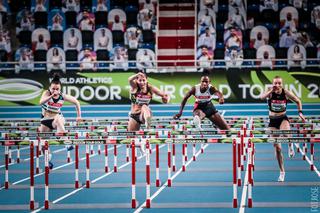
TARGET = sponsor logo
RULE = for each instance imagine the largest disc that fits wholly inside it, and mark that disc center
(18, 89)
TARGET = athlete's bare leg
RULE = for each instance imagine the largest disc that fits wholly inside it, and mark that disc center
(146, 116)
(219, 121)
(58, 123)
(133, 125)
(198, 116)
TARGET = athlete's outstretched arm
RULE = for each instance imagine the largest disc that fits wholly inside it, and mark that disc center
(215, 91)
(73, 100)
(294, 98)
(192, 91)
(164, 96)
(45, 97)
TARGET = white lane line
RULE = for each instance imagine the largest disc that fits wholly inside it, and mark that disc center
(244, 190)
(142, 206)
(27, 159)
(93, 181)
(56, 168)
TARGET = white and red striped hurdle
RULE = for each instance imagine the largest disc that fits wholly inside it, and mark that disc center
(148, 201)
(87, 166)
(115, 159)
(157, 166)
(133, 175)
(76, 184)
(31, 203)
(237, 159)
(106, 161)
(46, 163)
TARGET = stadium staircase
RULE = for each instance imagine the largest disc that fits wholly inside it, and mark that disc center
(176, 35)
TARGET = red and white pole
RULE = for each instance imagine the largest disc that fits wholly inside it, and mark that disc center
(169, 166)
(76, 185)
(242, 159)
(31, 176)
(183, 158)
(127, 153)
(157, 166)
(133, 175)
(250, 179)
(194, 152)
(186, 152)
(173, 157)
(10, 155)
(202, 148)
(115, 168)
(311, 156)
(253, 156)
(91, 149)
(87, 166)
(99, 149)
(6, 154)
(239, 164)
(46, 176)
(234, 169)
(18, 154)
(37, 156)
(68, 156)
(106, 164)
(305, 151)
(148, 201)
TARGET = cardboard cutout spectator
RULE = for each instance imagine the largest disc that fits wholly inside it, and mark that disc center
(56, 59)
(72, 39)
(266, 55)
(259, 36)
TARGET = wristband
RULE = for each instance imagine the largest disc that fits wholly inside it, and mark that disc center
(300, 111)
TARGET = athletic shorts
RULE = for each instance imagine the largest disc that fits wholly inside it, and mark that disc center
(276, 121)
(136, 117)
(47, 123)
(207, 108)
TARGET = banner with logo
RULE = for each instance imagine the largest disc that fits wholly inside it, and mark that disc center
(113, 88)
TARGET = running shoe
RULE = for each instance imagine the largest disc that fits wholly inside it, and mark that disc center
(281, 176)
(50, 165)
(69, 148)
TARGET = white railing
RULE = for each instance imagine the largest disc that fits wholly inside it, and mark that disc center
(175, 66)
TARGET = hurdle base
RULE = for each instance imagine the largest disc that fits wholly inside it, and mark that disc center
(6, 185)
(87, 184)
(157, 183)
(148, 203)
(106, 169)
(76, 184)
(169, 183)
(173, 168)
(31, 205)
(239, 182)
(46, 204)
(133, 203)
(235, 203)
(249, 203)
(115, 170)
(312, 167)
